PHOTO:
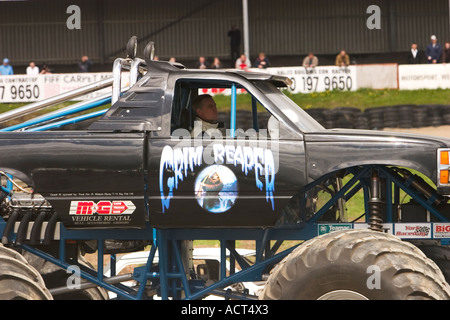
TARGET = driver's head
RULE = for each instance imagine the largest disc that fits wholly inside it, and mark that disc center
(205, 108)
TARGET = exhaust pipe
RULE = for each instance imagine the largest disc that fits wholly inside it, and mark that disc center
(35, 235)
(10, 226)
(23, 227)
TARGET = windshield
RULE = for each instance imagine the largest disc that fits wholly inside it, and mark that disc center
(289, 108)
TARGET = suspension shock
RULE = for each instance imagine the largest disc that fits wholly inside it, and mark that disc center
(375, 203)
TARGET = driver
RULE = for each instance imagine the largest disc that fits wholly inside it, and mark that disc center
(206, 114)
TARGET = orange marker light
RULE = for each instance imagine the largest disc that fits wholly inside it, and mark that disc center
(444, 177)
(445, 157)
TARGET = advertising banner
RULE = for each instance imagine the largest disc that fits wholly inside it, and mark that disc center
(24, 88)
(424, 76)
(318, 79)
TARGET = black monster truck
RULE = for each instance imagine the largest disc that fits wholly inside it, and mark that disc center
(139, 167)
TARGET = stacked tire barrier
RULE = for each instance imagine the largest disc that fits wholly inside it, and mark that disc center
(244, 118)
(377, 118)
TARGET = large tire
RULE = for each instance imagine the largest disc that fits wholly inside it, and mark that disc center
(18, 279)
(438, 253)
(335, 266)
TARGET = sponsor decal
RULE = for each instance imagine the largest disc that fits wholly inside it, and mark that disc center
(413, 230)
(180, 160)
(110, 212)
(327, 228)
(101, 207)
(441, 230)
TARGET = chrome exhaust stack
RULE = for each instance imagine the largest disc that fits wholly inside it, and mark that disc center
(132, 63)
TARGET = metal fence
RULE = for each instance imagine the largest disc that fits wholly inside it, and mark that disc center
(36, 30)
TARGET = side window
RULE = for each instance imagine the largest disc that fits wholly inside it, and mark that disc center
(202, 107)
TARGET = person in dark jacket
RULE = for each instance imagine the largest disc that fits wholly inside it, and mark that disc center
(85, 64)
(446, 53)
(414, 55)
(262, 61)
(433, 51)
(235, 42)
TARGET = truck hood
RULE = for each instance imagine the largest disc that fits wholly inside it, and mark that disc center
(374, 135)
(335, 149)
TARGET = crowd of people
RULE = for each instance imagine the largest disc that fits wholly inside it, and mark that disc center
(434, 53)
(32, 69)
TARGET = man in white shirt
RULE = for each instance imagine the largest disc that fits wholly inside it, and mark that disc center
(243, 63)
(32, 70)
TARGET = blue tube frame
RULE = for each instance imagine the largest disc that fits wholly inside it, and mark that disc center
(62, 123)
(56, 115)
(233, 111)
(171, 276)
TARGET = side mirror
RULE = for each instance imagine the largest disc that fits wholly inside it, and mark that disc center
(132, 47)
(149, 51)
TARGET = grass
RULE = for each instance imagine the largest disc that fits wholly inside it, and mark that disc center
(369, 98)
(362, 99)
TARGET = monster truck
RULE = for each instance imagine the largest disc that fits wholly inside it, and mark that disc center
(131, 176)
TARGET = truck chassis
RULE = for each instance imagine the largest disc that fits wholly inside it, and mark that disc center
(383, 188)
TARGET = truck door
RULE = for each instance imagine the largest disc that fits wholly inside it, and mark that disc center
(243, 173)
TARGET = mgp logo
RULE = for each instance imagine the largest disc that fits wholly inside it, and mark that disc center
(101, 207)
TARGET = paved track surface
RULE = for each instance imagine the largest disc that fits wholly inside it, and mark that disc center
(442, 131)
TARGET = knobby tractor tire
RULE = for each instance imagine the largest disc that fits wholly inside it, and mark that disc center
(18, 279)
(343, 265)
(440, 254)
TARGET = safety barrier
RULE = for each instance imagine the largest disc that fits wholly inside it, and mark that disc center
(24, 88)
(378, 118)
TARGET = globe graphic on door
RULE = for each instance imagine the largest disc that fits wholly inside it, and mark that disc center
(216, 188)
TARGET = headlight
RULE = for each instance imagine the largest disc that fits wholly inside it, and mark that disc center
(443, 166)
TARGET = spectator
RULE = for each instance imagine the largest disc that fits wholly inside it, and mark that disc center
(342, 59)
(235, 42)
(414, 55)
(310, 61)
(216, 64)
(45, 69)
(172, 60)
(6, 69)
(243, 63)
(446, 52)
(201, 63)
(433, 51)
(32, 70)
(262, 62)
(85, 64)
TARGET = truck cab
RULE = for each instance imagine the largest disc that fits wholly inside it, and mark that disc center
(244, 153)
